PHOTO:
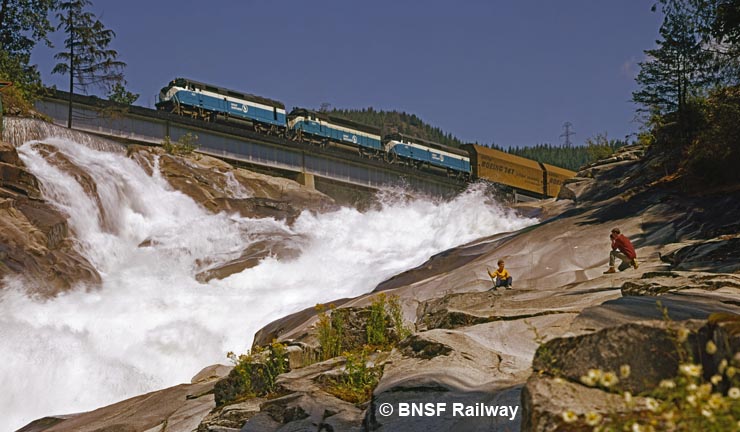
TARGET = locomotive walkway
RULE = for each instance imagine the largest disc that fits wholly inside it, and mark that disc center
(307, 163)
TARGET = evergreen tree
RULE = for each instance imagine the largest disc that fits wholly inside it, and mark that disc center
(23, 24)
(89, 61)
(679, 67)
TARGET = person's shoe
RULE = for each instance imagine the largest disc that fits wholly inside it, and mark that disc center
(635, 264)
(611, 270)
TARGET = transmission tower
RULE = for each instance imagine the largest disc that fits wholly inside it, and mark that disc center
(567, 133)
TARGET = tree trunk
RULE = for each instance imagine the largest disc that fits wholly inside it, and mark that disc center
(3, 32)
(71, 68)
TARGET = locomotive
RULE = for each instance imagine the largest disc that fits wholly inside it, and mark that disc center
(210, 103)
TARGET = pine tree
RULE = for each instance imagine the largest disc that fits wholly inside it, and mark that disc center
(88, 61)
(679, 68)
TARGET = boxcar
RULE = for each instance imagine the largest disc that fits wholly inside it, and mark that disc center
(504, 168)
(555, 177)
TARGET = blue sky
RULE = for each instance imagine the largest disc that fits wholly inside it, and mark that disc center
(506, 71)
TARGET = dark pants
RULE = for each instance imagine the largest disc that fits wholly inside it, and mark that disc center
(504, 282)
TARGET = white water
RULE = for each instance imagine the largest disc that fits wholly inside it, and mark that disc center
(151, 324)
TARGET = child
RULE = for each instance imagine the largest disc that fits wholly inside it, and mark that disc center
(501, 276)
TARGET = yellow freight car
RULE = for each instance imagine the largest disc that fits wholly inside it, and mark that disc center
(520, 173)
(555, 177)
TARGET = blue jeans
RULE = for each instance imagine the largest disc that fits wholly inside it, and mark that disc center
(504, 282)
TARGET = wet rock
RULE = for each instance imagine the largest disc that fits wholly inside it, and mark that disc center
(34, 236)
(219, 186)
(276, 247)
(17, 178)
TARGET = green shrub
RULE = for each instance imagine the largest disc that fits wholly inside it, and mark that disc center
(376, 323)
(185, 145)
(358, 381)
(331, 330)
(259, 368)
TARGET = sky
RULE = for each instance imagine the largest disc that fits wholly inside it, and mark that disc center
(509, 72)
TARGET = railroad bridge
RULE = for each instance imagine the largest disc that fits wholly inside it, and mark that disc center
(327, 169)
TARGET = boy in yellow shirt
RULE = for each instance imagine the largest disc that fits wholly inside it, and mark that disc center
(501, 276)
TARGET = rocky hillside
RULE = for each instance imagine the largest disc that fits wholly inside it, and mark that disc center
(530, 349)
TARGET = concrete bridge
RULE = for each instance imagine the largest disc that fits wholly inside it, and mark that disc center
(326, 169)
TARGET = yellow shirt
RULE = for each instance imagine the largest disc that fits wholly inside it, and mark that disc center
(503, 274)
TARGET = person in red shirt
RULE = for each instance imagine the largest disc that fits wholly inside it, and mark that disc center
(621, 248)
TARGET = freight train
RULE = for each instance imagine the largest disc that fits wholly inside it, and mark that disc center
(470, 162)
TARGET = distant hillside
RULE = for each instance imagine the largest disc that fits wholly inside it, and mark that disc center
(394, 121)
(571, 158)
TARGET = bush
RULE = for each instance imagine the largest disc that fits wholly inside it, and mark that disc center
(185, 145)
(254, 373)
(358, 381)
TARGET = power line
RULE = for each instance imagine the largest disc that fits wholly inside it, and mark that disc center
(567, 133)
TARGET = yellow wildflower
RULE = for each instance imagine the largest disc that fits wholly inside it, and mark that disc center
(733, 393)
(593, 418)
(691, 399)
(716, 379)
(651, 404)
(722, 366)
(692, 387)
(704, 390)
(609, 379)
(706, 413)
(711, 348)
(586, 380)
(625, 370)
(716, 402)
(569, 416)
(691, 370)
(730, 372)
(682, 334)
(669, 384)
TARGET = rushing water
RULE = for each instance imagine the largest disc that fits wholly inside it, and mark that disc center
(151, 324)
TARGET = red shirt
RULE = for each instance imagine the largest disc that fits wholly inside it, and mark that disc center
(624, 245)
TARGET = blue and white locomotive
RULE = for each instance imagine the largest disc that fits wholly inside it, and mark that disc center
(420, 153)
(321, 128)
(210, 103)
(197, 100)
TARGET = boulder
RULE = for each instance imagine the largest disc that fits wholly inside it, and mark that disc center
(648, 348)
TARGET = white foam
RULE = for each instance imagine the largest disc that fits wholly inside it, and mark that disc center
(151, 324)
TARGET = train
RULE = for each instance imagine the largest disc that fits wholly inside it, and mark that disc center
(470, 162)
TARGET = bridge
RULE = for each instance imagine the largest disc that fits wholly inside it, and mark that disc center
(322, 168)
